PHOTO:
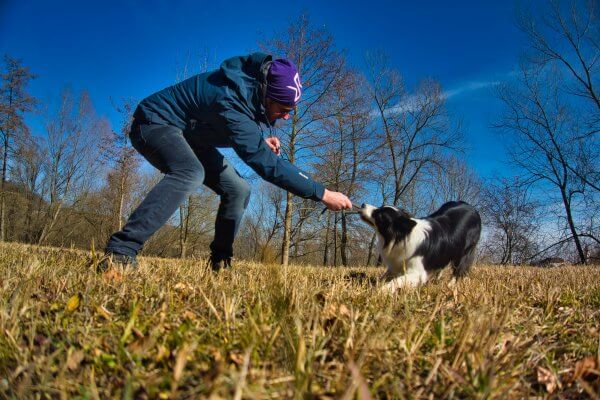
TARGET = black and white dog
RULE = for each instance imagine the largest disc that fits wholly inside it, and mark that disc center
(415, 249)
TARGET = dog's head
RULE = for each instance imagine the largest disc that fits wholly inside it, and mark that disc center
(392, 223)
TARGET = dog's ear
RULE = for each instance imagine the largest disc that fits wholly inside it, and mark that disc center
(384, 223)
(404, 213)
(403, 223)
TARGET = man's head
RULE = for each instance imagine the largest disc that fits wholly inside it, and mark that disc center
(283, 89)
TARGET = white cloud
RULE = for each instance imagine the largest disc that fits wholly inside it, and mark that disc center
(410, 103)
(469, 87)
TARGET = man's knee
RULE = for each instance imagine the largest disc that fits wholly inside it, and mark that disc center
(239, 193)
(191, 177)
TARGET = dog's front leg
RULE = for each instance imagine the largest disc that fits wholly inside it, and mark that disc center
(414, 276)
(388, 275)
(401, 282)
(390, 278)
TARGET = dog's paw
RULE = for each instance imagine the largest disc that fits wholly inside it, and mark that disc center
(404, 282)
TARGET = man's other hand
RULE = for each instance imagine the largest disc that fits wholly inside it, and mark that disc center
(274, 144)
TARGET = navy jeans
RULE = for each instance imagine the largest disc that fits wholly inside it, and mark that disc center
(187, 165)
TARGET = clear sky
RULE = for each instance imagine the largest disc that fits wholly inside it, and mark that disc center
(129, 49)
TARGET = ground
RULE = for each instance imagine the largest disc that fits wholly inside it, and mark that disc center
(173, 329)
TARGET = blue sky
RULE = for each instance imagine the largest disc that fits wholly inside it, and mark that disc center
(129, 49)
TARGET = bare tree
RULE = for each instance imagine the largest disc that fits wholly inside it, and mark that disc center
(125, 161)
(453, 179)
(565, 37)
(263, 223)
(415, 128)
(319, 64)
(196, 222)
(560, 77)
(14, 102)
(74, 134)
(544, 138)
(511, 221)
(344, 151)
(27, 172)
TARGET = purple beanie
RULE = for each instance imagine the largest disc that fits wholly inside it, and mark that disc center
(283, 83)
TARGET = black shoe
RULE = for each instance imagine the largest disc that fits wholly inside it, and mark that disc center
(116, 260)
(217, 264)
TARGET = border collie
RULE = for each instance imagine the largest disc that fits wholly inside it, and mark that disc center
(415, 249)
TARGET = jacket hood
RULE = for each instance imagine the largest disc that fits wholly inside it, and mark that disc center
(247, 77)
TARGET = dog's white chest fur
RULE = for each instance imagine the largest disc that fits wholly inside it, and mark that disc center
(405, 269)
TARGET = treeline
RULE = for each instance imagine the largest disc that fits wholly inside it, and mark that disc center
(359, 130)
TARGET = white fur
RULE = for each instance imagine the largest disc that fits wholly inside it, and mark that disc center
(406, 249)
(414, 276)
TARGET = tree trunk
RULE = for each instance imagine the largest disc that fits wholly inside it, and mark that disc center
(121, 201)
(344, 241)
(2, 213)
(289, 205)
(120, 213)
(26, 235)
(370, 253)
(2, 201)
(335, 244)
(183, 230)
(326, 250)
(48, 227)
(287, 230)
(567, 204)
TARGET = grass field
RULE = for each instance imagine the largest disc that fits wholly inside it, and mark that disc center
(172, 329)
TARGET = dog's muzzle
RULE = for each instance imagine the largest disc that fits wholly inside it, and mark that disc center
(366, 212)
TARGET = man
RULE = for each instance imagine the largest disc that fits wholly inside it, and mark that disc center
(178, 130)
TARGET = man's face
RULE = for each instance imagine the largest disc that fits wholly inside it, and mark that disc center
(277, 111)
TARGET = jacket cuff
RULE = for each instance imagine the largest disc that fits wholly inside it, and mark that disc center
(319, 192)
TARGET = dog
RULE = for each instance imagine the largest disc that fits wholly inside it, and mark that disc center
(417, 249)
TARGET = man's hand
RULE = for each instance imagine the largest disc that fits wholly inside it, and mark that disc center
(274, 144)
(336, 201)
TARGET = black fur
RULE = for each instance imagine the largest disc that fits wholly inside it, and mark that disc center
(455, 231)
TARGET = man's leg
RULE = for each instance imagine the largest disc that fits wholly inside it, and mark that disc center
(166, 149)
(223, 179)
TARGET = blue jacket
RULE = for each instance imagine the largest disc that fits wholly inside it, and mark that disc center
(226, 107)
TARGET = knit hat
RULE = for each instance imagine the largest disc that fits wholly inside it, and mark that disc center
(283, 83)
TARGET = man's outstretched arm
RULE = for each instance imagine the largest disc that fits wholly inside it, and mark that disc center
(246, 140)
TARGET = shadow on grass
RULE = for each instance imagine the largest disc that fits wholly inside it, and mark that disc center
(362, 278)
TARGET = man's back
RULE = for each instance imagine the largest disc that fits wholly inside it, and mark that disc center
(236, 85)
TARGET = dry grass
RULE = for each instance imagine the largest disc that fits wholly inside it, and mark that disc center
(174, 330)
